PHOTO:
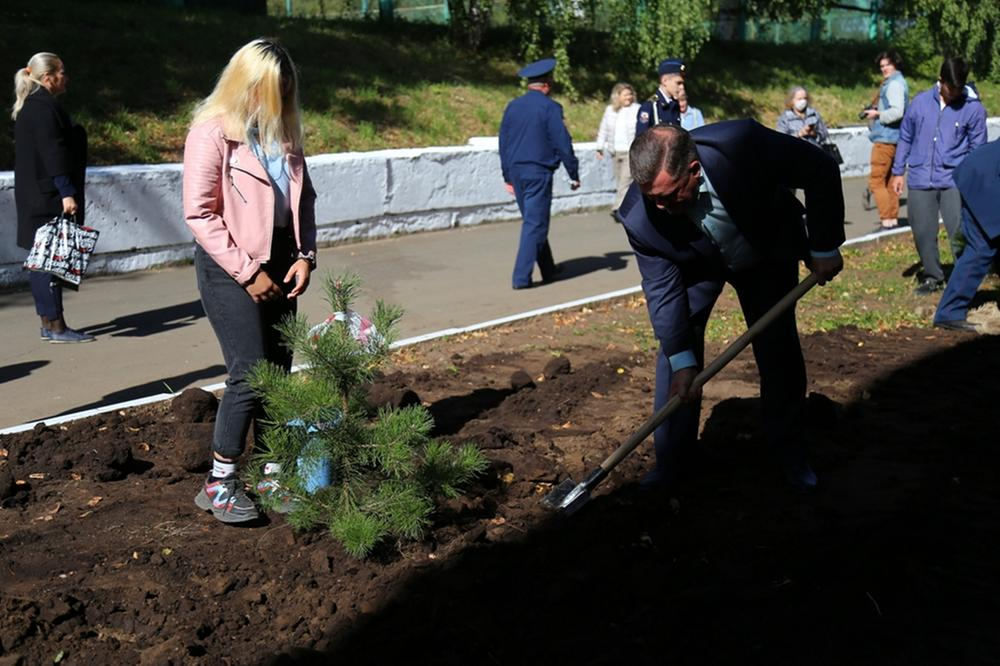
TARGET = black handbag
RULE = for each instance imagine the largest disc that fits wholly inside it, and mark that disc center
(833, 151)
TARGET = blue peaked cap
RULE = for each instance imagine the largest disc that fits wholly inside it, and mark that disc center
(672, 66)
(537, 68)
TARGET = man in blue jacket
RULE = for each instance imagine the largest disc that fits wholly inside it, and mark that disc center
(978, 181)
(716, 205)
(941, 126)
(533, 141)
(664, 107)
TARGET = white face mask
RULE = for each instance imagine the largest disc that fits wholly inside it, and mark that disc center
(800, 104)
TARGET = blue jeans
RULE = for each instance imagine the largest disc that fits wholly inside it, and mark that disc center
(246, 333)
(47, 292)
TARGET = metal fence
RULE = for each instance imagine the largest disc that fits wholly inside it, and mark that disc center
(849, 19)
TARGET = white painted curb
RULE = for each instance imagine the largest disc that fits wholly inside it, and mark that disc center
(66, 418)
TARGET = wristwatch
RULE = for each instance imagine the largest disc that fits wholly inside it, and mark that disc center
(309, 256)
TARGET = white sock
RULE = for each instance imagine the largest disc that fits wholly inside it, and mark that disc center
(222, 470)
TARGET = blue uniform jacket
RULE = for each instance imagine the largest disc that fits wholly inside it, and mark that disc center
(753, 170)
(534, 137)
(666, 112)
(978, 180)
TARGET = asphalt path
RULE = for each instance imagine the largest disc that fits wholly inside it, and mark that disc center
(153, 337)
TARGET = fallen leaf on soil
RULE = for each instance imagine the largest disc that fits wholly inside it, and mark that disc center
(542, 488)
(50, 513)
(499, 520)
(431, 556)
(143, 446)
(540, 378)
(861, 344)
(621, 371)
(36, 475)
(131, 429)
(94, 501)
(75, 476)
(20, 482)
(508, 477)
(102, 428)
(85, 514)
(3, 453)
(166, 551)
(596, 394)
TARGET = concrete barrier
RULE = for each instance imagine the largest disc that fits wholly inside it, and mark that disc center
(137, 208)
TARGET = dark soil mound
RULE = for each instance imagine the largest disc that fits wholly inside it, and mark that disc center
(892, 561)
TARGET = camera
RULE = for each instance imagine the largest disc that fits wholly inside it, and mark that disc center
(864, 112)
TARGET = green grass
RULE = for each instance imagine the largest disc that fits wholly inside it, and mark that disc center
(137, 70)
(875, 292)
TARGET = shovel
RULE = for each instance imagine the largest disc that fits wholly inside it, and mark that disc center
(569, 497)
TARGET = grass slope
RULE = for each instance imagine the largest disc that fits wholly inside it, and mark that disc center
(137, 70)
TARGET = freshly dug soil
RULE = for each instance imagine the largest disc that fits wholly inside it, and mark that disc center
(105, 559)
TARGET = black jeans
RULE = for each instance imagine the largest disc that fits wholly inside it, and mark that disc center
(47, 292)
(247, 335)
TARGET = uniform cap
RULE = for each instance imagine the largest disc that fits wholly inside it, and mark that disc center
(672, 66)
(537, 68)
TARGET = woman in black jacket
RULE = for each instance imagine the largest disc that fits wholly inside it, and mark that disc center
(50, 157)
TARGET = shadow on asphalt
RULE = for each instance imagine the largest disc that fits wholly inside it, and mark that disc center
(165, 385)
(611, 261)
(17, 370)
(150, 322)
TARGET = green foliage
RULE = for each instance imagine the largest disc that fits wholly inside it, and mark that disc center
(647, 31)
(966, 28)
(385, 472)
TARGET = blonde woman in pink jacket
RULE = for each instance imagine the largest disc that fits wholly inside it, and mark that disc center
(249, 202)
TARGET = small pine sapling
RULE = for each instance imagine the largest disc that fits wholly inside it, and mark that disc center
(378, 476)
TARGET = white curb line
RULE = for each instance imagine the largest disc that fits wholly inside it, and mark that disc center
(75, 416)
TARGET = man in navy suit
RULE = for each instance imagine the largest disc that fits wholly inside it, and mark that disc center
(716, 205)
(978, 181)
(533, 141)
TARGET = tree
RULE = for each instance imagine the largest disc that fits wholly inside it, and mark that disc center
(966, 28)
(327, 461)
(647, 31)
(469, 20)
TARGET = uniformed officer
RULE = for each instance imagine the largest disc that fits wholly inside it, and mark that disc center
(663, 107)
(533, 142)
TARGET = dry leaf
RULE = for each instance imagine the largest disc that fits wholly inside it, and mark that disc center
(499, 520)
(85, 514)
(131, 429)
(167, 551)
(3, 453)
(542, 488)
(621, 371)
(36, 475)
(596, 394)
(94, 501)
(143, 446)
(75, 476)
(508, 477)
(20, 482)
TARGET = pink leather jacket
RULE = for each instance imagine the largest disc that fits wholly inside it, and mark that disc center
(229, 203)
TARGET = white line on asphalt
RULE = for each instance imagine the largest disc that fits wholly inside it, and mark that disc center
(75, 416)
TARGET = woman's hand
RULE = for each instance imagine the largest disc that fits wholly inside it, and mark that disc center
(69, 205)
(298, 276)
(263, 288)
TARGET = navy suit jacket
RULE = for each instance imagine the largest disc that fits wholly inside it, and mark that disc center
(533, 137)
(978, 180)
(754, 171)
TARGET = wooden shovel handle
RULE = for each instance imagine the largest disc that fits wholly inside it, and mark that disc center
(728, 354)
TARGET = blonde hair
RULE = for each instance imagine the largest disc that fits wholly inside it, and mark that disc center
(791, 95)
(249, 95)
(616, 92)
(28, 79)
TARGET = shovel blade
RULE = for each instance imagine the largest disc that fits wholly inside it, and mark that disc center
(567, 497)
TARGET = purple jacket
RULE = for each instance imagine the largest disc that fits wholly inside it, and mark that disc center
(933, 141)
